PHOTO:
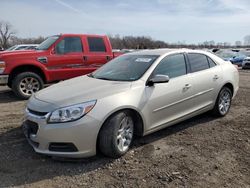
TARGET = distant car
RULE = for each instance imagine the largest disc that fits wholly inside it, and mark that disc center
(246, 63)
(232, 56)
(22, 47)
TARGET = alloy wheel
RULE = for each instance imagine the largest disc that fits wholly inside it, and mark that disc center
(29, 85)
(125, 133)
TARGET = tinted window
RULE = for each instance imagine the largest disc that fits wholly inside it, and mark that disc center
(96, 44)
(198, 62)
(125, 68)
(69, 44)
(172, 66)
(211, 62)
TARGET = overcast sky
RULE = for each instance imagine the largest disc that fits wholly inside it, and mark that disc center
(192, 21)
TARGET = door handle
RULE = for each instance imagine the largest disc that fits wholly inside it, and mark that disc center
(187, 86)
(216, 77)
(85, 58)
(108, 58)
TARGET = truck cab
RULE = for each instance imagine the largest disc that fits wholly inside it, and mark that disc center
(59, 57)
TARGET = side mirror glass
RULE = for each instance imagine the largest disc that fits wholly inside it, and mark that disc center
(159, 78)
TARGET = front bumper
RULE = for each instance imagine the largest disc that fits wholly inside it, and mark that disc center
(4, 79)
(75, 139)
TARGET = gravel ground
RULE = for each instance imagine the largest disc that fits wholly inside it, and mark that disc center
(201, 152)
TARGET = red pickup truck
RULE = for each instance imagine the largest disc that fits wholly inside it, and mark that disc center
(59, 57)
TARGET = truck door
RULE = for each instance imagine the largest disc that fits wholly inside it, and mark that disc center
(66, 60)
(98, 52)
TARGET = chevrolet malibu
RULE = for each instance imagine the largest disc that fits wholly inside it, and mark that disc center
(135, 94)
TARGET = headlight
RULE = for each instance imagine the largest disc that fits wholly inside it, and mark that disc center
(2, 66)
(71, 113)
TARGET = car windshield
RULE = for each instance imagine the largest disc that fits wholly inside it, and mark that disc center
(246, 53)
(229, 54)
(226, 54)
(47, 43)
(11, 48)
(125, 68)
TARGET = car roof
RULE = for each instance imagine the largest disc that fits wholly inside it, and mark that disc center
(27, 45)
(164, 51)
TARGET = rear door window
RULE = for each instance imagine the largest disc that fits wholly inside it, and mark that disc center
(211, 62)
(96, 44)
(198, 62)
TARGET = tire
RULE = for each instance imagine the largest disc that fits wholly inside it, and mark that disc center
(26, 83)
(223, 102)
(113, 140)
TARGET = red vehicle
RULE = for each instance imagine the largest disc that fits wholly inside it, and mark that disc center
(59, 57)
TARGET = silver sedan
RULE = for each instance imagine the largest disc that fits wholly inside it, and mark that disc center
(134, 94)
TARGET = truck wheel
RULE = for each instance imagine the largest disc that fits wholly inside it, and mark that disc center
(26, 83)
(223, 102)
(116, 135)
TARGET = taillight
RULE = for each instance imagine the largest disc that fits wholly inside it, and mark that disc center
(2, 66)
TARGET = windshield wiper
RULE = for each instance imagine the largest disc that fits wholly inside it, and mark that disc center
(90, 75)
(104, 78)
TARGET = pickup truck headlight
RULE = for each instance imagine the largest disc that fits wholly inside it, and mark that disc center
(2, 66)
(71, 113)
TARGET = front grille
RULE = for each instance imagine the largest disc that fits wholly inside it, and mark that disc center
(63, 147)
(37, 113)
(248, 64)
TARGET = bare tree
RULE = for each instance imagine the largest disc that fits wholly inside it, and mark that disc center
(247, 40)
(6, 32)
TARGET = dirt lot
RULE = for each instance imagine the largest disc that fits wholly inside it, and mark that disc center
(201, 152)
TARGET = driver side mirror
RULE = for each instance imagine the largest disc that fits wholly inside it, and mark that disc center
(159, 78)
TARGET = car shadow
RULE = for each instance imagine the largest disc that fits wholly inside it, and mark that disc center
(197, 120)
(20, 165)
(6, 95)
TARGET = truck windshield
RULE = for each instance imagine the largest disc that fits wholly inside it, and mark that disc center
(125, 68)
(47, 43)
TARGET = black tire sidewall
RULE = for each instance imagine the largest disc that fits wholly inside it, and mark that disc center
(16, 82)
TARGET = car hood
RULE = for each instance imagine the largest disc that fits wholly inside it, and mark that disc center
(20, 53)
(80, 89)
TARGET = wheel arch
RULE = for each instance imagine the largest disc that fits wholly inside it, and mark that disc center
(230, 86)
(27, 68)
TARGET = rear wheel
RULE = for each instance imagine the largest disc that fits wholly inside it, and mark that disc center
(223, 102)
(26, 83)
(116, 135)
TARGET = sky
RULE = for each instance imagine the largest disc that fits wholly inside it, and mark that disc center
(189, 21)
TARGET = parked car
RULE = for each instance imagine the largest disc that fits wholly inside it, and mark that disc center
(60, 57)
(232, 56)
(246, 63)
(22, 47)
(135, 94)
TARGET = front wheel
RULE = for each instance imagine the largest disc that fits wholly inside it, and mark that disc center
(26, 83)
(116, 135)
(223, 102)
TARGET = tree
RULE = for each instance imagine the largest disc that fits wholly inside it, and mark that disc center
(238, 43)
(6, 32)
(247, 40)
